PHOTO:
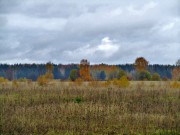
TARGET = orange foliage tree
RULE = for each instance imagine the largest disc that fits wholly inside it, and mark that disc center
(141, 64)
(176, 73)
(85, 70)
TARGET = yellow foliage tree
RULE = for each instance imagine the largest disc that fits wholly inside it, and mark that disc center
(175, 85)
(42, 80)
(107, 83)
(3, 80)
(49, 75)
(122, 83)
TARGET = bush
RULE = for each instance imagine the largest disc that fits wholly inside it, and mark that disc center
(49, 75)
(156, 77)
(123, 82)
(73, 75)
(15, 83)
(165, 78)
(79, 81)
(22, 80)
(175, 85)
(115, 81)
(42, 80)
(144, 76)
(121, 73)
(107, 83)
(3, 80)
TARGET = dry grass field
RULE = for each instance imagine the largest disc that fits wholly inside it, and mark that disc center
(151, 108)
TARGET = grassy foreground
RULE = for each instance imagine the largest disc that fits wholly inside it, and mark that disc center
(71, 109)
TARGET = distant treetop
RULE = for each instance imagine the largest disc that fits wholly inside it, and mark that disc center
(178, 62)
(141, 63)
(84, 62)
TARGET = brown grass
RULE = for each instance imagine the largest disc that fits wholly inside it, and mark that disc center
(64, 108)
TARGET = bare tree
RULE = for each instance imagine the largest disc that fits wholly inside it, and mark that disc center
(178, 62)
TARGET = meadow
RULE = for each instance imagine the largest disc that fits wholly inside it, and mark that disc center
(151, 108)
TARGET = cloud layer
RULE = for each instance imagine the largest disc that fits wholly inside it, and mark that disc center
(105, 31)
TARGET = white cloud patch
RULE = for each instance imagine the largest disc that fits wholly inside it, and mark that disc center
(105, 50)
(168, 26)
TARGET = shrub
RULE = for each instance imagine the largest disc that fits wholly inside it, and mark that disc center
(123, 82)
(49, 75)
(121, 73)
(3, 80)
(22, 79)
(156, 77)
(107, 83)
(144, 75)
(15, 83)
(115, 81)
(175, 85)
(165, 78)
(42, 80)
(79, 81)
(73, 75)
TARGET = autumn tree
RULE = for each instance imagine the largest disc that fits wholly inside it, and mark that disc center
(85, 70)
(123, 82)
(112, 72)
(49, 70)
(42, 80)
(73, 74)
(156, 77)
(3, 80)
(121, 73)
(165, 78)
(144, 75)
(141, 64)
(176, 73)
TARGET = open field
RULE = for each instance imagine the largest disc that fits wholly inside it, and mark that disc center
(67, 108)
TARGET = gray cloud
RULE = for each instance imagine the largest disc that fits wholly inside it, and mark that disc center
(101, 30)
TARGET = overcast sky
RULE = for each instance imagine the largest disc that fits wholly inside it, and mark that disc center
(102, 31)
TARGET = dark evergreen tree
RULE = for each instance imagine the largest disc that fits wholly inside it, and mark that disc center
(102, 75)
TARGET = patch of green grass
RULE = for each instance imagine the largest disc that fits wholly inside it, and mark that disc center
(78, 100)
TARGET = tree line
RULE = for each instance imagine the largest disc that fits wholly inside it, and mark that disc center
(140, 70)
